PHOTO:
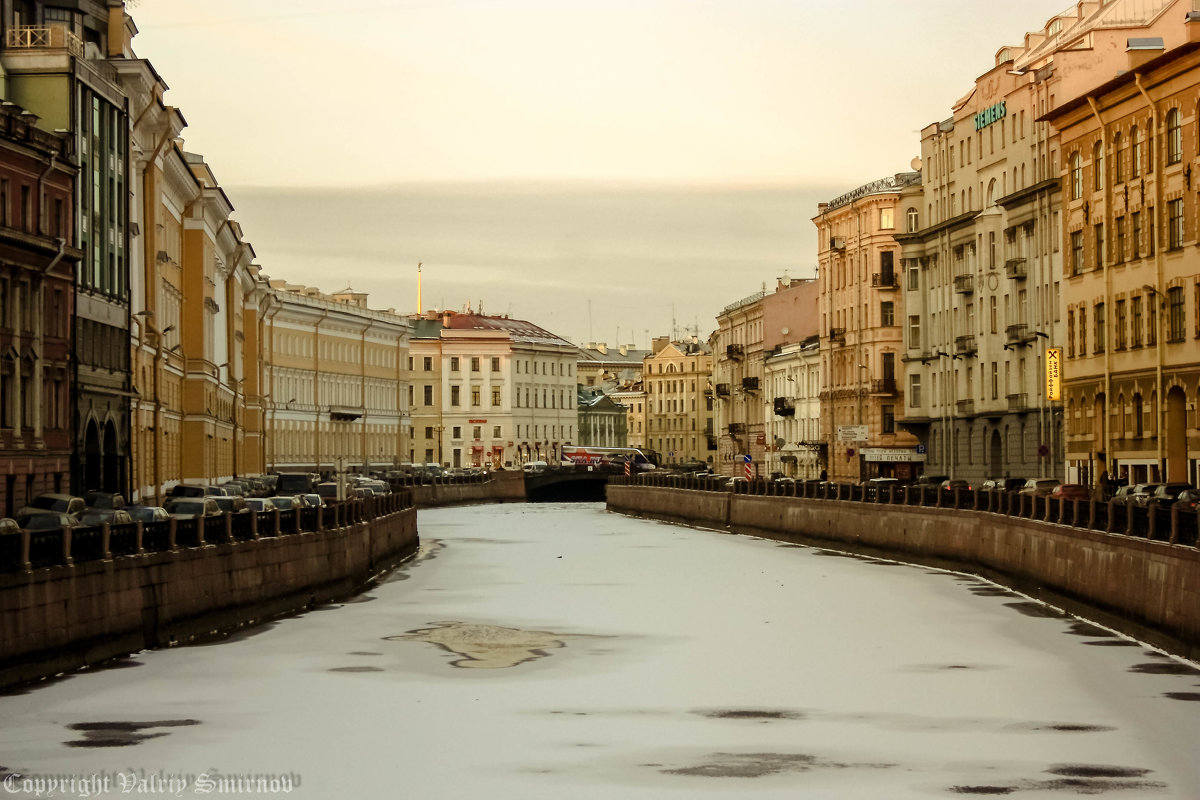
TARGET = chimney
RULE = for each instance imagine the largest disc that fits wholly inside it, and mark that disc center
(623, 349)
(446, 315)
(659, 343)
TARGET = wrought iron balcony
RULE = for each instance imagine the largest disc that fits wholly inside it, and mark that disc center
(722, 390)
(1015, 269)
(965, 283)
(1018, 402)
(883, 386)
(884, 280)
(736, 428)
(734, 351)
(966, 406)
(1018, 333)
(785, 407)
(837, 243)
(837, 335)
(965, 345)
(750, 384)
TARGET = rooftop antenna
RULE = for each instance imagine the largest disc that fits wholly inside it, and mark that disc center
(418, 288)
(590, 339)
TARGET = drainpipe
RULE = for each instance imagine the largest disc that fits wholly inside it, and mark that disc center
(1158, 278)
(1106, 430)
(41, 189)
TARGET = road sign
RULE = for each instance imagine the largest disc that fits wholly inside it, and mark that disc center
(749, 467)
(1053, 373)
(852, 433)
(921, 449)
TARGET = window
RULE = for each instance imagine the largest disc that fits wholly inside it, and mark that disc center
(1174, 137)
(914, 331)
(914, 279)
(457, 432)
(1119, 330)
(914, 391)
(1119, 245)
(1152, 322)
(427, 363)
(1076, 178)
(1071, 334)
(1175, 314)
(495, 397)
(496, 432)
(428, 431)
(454, 363)
(427, 395)
(888, 421)
(1098, 166)
(1099, 238)
(995, 381)
(885, 219)
(1083, 331)
(1136, 234)
(1076, 253)
(475, 396)
(1118, 170)
(911, 220)
(477, 432)
(475, 364)
(1175, 224)
(1135, 326)
(994, 315)
(1099, 322)
(1135, 154)
(495, 364)
(887, 314)
(455, 392)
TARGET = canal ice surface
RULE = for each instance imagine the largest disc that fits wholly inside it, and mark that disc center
(560, 651)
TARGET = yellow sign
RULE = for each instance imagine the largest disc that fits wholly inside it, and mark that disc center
(1053, 373)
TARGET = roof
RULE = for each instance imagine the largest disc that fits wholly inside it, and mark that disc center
(518, 330)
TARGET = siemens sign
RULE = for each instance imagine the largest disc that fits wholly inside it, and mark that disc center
(990, 115)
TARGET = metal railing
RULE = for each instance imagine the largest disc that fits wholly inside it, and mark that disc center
(1167, 524)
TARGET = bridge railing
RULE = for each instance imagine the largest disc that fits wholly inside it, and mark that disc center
(29, 550)
(1169, 524)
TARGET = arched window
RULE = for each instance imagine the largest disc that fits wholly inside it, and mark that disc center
(1139, 425)
(911, 217)
(1098, 166)
(1118, 172)
(1174, 137)
(991, 193)
(1135, 153)
(1076, 177)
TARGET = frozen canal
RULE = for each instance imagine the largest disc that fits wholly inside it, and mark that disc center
(552, 651)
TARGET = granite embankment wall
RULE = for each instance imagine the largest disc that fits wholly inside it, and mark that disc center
(68, 616)
(500, 487)
(1147, 589)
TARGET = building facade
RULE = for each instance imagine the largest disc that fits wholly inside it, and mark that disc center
(679, 403)
(1126, 113)
(861, 336)
(738, 410)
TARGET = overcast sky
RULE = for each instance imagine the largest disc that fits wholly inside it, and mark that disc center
(310, 92)
(815, 98)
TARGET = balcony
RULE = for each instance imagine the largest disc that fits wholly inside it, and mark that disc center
(965, 283)
(837, 243)
(344, 413)
(1018, 402)
(734, 351)
(785, 407)
(883, 386)
(837, 335)
(722, 390)
(750, 384)
(1015, 269)
(711, 441)
(965, 345)
(43, 37)
(737, 428)
(1018, 334)
(965, 407)
(885, 280)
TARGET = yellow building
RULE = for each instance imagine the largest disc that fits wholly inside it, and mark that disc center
(679, 403)
(738, 410)
(1126, 111)
(334, 381)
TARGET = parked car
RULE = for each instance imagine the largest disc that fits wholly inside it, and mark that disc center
(147, 514)
(1039, 487)
(930, 480)
(190, 507)
(1142, 492)
(1072, 491)
(536, 467)
(219, 491)
(186, 490)
(284, 503)
(100, 516)
(1124, 494)
(950, 484)
(95, 499)
(61, 503)
(328, 491)
(309, 500)
(47, 521)
(233, 504)
(1188, 500)
(1166, 494)
(9, 525)
(260, 504)
(1002, 484)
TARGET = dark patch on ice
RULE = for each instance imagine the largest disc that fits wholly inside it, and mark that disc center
(1113, 643)
(361, 598)
(1032, 609)
(880, 563)
(1061, 727)
(1081, 628)
(355, 669)
(1094, 785)
(483, 646)
(363, 653)
(982, 789)
(426, 551)
(1167, 668)
(839, 555)
(992, 591)
(121, 734)
(944, 667)
(1193, 696)
(758, 765)
(30, 687)
(797, 546)
(761, 715)
(1097, 771)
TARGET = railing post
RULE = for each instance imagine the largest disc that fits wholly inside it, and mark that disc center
(321, 517)
(26, 564)
(253, 524)
(1153, 522)
(171, 543)
(66, 546)
(229, 526)
(139, 530)
(1128, 518)
(1174, 537)
(106, 541)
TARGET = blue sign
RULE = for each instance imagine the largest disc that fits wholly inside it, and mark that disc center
(921, 449)
(746, 458)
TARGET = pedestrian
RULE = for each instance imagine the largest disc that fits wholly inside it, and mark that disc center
(1105, 488)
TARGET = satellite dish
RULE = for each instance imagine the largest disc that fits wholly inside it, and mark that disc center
(915, 164)
(784, 331)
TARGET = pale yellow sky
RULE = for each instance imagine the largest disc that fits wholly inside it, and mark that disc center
(357, 92)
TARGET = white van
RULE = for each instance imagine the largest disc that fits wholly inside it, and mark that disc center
(536, 467)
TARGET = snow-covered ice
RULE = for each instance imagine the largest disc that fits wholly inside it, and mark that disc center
(561, 651)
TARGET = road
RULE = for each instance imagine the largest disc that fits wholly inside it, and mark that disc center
(560, 651)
